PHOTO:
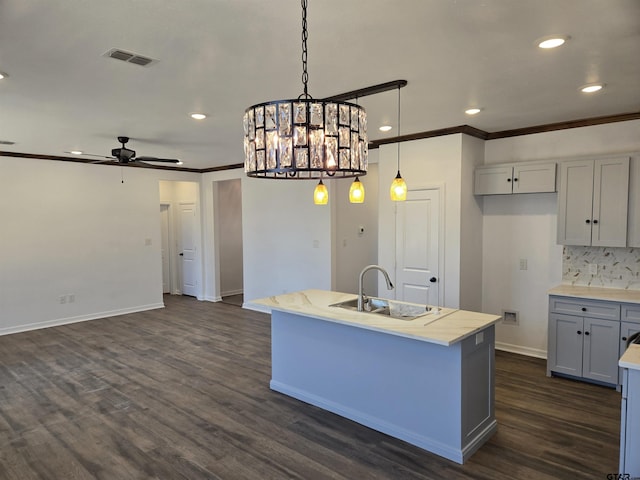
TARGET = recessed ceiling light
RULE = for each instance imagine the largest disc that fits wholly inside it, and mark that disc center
(552, 42)
(385, 128)
(76, 152)
(198, 116)
(594, 87)
(3, 75)
(472, 111)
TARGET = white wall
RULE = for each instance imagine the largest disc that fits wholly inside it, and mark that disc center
(524, 227)
(229, 208)
(354, 251)
(287, 239)
(433, 162)
(75, 229)
(471, 264)
(520, 227)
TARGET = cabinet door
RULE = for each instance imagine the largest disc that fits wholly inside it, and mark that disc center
(601, 350)
(575, 202)
(610, 202)
(534, 178)
(633, 227)
(565, 344)
(626, 330)
(493, 180)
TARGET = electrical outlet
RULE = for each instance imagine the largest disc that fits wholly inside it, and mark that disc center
(71, 298)
(593, 269)
(63, 299)
(523, 264)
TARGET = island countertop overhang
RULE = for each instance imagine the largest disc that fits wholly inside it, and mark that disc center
(445, 328)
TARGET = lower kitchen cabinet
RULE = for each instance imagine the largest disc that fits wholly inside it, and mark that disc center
(626, 330)
(629, 424)
(584, 347)
(588, 334)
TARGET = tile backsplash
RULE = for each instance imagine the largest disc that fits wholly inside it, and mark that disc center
(617, 267)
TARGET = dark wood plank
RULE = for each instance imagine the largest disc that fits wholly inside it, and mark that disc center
(183, 393)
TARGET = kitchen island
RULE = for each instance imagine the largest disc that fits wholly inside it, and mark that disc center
(428, 381)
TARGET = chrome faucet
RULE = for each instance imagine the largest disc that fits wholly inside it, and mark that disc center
(360, 288)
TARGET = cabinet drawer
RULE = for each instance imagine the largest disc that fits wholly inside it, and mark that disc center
(630, 313)
(585, 308)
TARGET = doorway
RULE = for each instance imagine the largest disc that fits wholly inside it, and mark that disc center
(417, 248)
(165, 247)
(228, 215)
(180, 238)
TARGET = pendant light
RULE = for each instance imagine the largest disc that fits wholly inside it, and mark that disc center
(398, 191)
(356, 192)
(321, 194)
(305, 138)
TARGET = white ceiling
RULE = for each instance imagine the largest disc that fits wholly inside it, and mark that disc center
(221, 56)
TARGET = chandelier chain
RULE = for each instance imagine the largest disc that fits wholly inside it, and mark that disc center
(305, 35)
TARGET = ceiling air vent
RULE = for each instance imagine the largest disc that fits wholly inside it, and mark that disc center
(7, 142)
(129, 57)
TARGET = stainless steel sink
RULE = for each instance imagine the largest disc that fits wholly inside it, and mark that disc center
(388, 308)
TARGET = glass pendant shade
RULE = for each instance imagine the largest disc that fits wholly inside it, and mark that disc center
(356, 192)
(305, 139)
(321, 194)
(398, 189)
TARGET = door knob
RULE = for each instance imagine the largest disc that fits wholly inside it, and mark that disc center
(433, 279)
(586, 333)
(181, 254)
(579, 332)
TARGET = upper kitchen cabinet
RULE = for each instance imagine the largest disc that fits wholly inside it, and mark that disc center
(593, 201)
(634, 202)
(515, 178)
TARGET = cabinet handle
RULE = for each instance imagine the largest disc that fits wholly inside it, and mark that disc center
(508, 180)
(584, 309)
(515, 179)
(595, 221)
(579, 332)
(586, 333)
(588, 221)
(624, 339)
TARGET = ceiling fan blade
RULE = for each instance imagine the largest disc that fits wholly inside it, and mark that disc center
(98, 162)
(154, 159)
(88, 155)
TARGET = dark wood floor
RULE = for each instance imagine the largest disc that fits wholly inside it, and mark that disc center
(183, 393)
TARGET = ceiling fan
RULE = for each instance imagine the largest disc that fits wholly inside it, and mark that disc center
(124, 155)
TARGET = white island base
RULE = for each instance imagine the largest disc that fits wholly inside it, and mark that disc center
(434, 396)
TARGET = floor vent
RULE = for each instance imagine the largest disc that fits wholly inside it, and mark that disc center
(130, 57)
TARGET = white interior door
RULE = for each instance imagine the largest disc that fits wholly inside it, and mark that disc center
(165, 248)
(188, 249)
(417, 249)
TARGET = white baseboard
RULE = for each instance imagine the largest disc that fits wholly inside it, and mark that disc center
(256, 307)
(232, 292)
(80, 318)
(212, 299)
(529, 352)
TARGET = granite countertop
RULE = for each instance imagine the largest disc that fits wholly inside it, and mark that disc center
(445, 328)
(597, 293)
(631, 358)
